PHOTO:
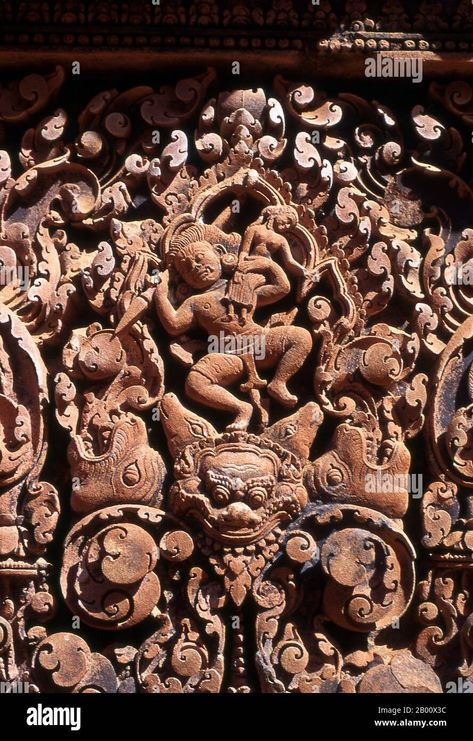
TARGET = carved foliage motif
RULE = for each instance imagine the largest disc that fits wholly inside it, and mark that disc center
(239, 305)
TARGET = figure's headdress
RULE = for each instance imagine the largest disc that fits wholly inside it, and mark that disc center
(185, 230)
(270, 212)
(189, 235)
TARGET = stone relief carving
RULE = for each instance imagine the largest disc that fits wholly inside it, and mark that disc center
(251, 339)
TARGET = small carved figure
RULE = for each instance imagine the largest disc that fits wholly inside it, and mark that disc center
(265, 238)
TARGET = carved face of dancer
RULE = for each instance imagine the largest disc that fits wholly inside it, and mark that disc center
(198, 264)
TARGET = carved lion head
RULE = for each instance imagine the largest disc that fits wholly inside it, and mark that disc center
(238, 487)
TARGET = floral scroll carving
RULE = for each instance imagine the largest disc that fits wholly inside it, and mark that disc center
(227, 350)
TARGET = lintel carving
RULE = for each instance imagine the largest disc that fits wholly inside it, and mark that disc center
(234, 351)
